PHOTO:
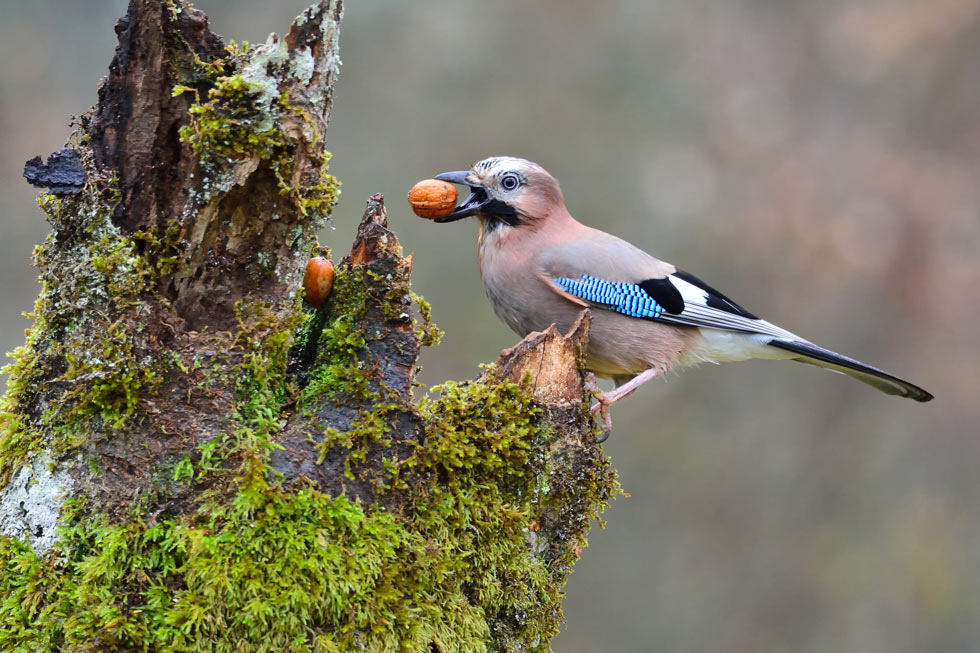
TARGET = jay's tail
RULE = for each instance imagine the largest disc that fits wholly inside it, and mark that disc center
(810, 353)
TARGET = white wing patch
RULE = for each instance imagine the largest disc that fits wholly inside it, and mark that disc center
(691, 293)
(697, 313)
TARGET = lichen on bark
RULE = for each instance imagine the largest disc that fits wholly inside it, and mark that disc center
(227, 468)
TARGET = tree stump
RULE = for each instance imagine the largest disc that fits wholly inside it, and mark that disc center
(196, 459)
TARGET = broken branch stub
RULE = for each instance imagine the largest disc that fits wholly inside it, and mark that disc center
(550, 362)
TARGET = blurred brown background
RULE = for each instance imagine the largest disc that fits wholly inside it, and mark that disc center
(819, 162)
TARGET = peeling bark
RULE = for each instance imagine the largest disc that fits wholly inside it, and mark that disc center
(61, 174)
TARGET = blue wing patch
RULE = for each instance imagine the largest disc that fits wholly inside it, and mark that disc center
(620, 296)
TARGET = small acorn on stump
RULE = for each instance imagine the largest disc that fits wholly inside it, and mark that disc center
(318, 280)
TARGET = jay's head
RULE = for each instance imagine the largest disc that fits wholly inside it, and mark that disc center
(506, 190)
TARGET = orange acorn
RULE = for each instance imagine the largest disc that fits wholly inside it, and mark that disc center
(432, 198)
(318, 280)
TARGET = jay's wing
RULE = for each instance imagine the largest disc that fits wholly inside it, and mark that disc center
(678, 298)
(601, 270)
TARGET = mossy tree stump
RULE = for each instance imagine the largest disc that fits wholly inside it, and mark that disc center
(195, 459)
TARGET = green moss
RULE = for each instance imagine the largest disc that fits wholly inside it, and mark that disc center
(474, 433)
(292, 571)
(317, 199)
(232, 122)
(87, 324)
(273, 569)
(126, 273)
(161, 249)
(242, 119)
(337, 367)
(472, 487)
(479, 428)
(369, 430)
(261, 385)
(17, 439)
(183, 470)
(24, 379)
(108, 365)
(106, 376)
(427, 332)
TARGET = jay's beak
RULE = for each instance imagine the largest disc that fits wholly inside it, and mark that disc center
(477, 200)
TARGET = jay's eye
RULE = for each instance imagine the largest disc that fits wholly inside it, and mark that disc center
(509, 182)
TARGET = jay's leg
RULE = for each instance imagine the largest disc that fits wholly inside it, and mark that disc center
(607, 399)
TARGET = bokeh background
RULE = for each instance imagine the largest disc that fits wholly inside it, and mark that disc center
(819, 162)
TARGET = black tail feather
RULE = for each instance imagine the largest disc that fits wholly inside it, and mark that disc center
(887, 383)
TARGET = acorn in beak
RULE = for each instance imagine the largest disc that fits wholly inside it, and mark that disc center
(473, 204)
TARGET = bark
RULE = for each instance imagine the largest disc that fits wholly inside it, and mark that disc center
(194, 458)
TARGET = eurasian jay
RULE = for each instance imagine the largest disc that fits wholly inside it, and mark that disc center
(540, 266)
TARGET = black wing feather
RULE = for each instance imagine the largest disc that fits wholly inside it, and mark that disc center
(664, 293)
(715, 298)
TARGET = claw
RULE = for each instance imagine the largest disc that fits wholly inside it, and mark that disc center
(602, 407)
(607, 399)
(606, 432)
